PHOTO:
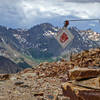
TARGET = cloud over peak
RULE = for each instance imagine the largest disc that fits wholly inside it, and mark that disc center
(85, 1)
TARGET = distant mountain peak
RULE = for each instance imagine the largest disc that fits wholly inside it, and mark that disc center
(46, 24)
(43, 26)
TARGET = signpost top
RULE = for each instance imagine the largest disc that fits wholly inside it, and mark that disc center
(67, 21)
(64, 36)
(83, 20)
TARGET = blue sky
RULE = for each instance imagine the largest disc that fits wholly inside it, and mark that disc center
(27, 13)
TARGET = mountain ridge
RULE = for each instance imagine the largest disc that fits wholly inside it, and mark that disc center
(36, 41)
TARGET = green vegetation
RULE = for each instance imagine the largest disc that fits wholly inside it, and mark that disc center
(40, 54)
(38, 60)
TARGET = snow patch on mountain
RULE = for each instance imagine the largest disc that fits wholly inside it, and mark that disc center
(49, 33)
(20, 38)
(94, 36)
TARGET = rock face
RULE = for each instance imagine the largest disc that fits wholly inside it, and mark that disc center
(80, 93)
(88, 89)
(92, 83)
(83, 73)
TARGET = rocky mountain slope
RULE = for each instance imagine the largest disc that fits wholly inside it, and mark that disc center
(7, 66)
(10, 49)
(44, 82)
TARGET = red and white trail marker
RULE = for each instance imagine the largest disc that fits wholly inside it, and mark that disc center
(64, 37)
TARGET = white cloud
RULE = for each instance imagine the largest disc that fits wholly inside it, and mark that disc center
(84, 1)
(24, 13)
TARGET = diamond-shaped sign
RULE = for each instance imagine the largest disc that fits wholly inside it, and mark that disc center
(64, 37)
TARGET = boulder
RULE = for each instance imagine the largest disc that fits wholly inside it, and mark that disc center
(83, 73)
(4, 77)
(75, 92)
(93, 83)
(18, 83)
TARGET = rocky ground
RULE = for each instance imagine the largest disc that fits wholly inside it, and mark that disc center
(28, 86)
(44, 82)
